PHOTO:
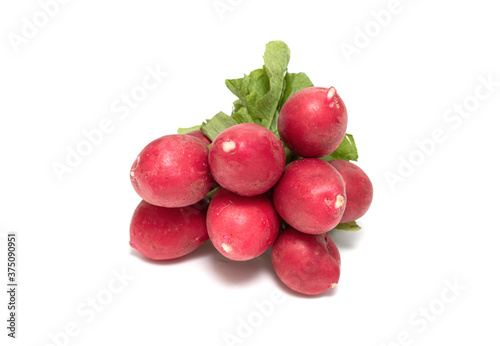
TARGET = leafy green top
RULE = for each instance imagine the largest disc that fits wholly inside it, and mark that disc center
(260, 96)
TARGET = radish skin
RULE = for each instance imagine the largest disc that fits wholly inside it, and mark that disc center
(247, 159)
(310, 196)
(172, 171)
(313, 122)
(242, 228)
(359, 189)
(165, 233)
(306, 263)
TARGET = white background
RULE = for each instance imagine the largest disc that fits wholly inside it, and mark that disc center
(436, 226)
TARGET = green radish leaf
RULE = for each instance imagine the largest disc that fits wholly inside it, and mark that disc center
(346, 151)
(239, 87)
(258, 83)
(212, 127)
(211, 194)
(184, 130)
(349, 226)
(250, 88)
(237, 105)
(293, 83)
(276, 58)
(262, 93)
(274, 123)
(241, 115)
(258, 86)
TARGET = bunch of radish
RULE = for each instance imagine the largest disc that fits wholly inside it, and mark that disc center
(275, 174)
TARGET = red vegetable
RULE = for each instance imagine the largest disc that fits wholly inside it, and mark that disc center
(313, 122)
(310, 196)
(306, 263)
(172, 171)
(247, 159)
(165, 233)
(242, 228)
(359, 189)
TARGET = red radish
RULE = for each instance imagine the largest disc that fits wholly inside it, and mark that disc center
(306, 263)
(359, 189)
(172, 171)
(242, 228)
(313, 121)
(310, 196)
(247, 159)
(200, 135)
(165, 233)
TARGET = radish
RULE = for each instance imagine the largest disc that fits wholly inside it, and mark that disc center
(165, 233)
(306, 263)
(242, 228)
(172, 171)
(359, 189)
(310, 196)
(313, 122)
(247, 159)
